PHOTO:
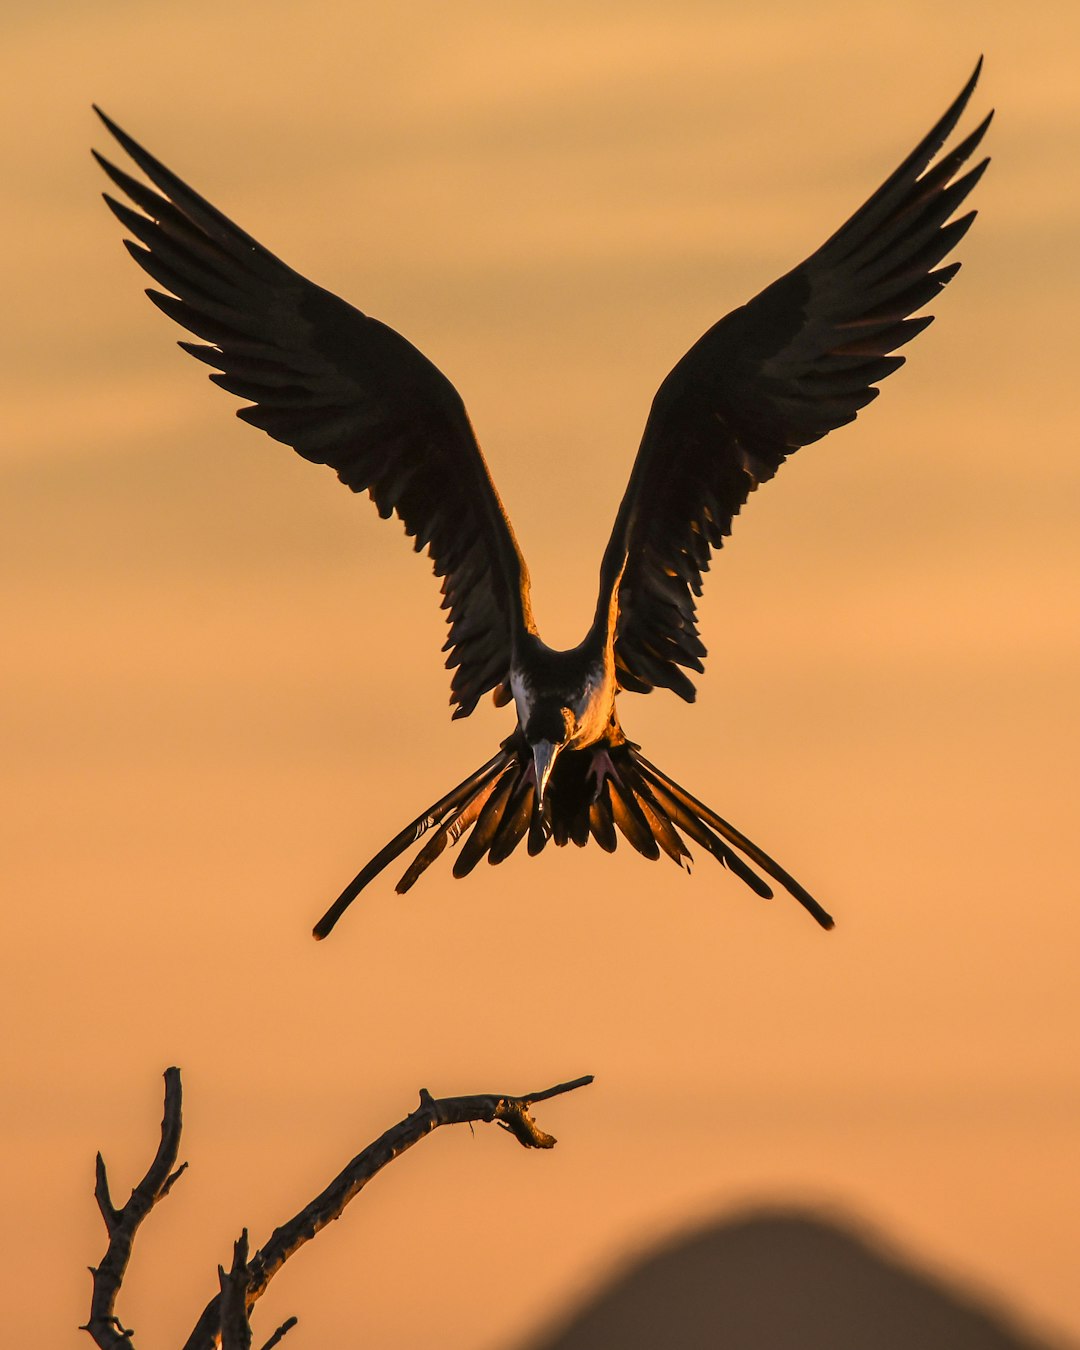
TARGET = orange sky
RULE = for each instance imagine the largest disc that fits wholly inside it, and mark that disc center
(205, 734)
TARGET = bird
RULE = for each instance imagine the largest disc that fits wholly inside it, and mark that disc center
(798, 360)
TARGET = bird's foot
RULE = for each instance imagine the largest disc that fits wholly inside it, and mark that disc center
(600, 769)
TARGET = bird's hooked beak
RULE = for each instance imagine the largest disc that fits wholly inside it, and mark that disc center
(544, 753)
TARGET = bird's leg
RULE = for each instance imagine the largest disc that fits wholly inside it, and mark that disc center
(600, 768)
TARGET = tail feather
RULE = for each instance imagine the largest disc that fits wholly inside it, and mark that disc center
(579, 826)
(487, 825)
(662, 827)
(736, 838)
(631, 819)
(433, 849)
(602, 791)
(539, 831)
(601, 822)
(567, 802)
(515, 820)
(449, 833)
(701, 834)
(433, 816)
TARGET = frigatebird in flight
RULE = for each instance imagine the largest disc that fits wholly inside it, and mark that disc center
(801, 358)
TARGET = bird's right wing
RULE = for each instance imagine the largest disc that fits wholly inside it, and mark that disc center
(342, 389)
(798, 360)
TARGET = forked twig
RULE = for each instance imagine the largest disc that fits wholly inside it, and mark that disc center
(122, 1224)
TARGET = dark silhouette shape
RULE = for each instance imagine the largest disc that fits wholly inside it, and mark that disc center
(343, 389)
(224, 1322)
(782, 1280)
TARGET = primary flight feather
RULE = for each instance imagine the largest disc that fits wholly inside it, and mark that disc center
(801, 358)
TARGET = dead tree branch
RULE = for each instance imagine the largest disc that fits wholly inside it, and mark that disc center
(225, 1319)
(122, 1224)
(510, 1112)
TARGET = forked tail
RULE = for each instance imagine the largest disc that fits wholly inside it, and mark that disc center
(592, 792)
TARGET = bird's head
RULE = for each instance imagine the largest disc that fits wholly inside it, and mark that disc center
(547, 731)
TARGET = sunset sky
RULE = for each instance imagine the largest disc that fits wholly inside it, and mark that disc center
(223, 687)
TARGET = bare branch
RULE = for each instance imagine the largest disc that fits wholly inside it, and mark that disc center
(121, 1225)
(282, 1331)
(510, 1112)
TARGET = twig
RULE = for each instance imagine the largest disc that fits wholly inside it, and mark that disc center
(122, 1224)
(234, 1282)
(510, 1112)
(282, 1331)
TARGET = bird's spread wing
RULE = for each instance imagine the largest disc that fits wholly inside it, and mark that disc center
(342, 389)
(800, 359)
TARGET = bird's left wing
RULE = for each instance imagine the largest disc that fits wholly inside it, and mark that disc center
(783, 370)
(342, 389)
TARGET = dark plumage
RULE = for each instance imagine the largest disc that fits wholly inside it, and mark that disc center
(801, 358)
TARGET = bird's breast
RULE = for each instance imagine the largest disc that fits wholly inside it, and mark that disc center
(593, 706)
(524, 694)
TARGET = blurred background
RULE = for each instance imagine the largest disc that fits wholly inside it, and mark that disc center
(223, 691)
